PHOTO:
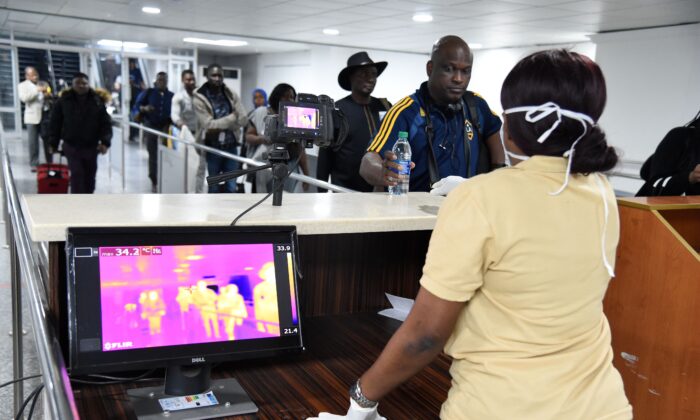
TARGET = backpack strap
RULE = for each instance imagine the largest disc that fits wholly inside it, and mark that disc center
(385, 103)
(484, 163)
(429, 136)
(470, 100)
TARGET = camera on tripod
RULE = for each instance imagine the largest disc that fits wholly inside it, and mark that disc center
(310, 120)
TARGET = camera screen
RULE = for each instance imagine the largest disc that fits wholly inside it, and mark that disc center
(299, 117)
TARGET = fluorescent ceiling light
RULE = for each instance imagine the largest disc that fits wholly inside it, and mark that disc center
(109, 43)
(150, 10)
(331, 31)
(135, 45)
(218, 42)
(475, 45)
(423, 17)
(119, 44)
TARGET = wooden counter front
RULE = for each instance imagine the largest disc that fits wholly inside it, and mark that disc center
(653, 306)
(339, 349)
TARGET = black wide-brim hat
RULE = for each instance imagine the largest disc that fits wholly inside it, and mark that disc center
(357, 60)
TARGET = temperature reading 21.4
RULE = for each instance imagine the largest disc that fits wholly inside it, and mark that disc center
(283, 248)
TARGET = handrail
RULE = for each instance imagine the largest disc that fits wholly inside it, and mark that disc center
(53, 371)
(304, 178)
(619, 171)
(624, 175)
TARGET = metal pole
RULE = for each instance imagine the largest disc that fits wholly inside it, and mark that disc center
(187, 154)
(17, 359)
(125, 138)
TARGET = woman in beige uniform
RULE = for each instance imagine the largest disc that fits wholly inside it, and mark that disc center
(518, 266)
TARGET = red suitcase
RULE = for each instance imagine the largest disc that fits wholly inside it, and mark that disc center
(52, 178)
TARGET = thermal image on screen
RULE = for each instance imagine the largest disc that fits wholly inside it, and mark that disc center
(298, 117)
(176, 295)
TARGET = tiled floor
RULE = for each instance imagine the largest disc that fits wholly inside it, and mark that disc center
(108, 181)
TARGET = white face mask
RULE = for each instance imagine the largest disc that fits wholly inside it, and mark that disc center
(536, 113)
(508, 154)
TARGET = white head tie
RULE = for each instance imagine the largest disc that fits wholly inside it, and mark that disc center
(535, 113)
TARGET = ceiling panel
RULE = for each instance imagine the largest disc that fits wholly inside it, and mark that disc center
(382, 24)
(25, 18)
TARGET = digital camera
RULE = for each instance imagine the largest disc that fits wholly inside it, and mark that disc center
(310, 120)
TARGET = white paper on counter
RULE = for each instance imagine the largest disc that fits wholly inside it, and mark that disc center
(400, 307)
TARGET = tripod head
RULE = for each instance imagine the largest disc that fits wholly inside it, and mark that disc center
(277, 156)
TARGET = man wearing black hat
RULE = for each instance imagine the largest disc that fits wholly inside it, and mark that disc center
(363, 113)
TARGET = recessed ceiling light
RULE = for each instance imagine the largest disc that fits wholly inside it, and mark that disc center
(119, 44)
(331, 31)
(135, 45)
(475, 45)
(150, 10)
(217, 42)
(423, 17)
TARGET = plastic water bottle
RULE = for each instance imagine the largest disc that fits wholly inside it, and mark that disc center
(402, 150)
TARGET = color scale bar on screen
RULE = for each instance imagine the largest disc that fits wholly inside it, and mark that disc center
(292, 290)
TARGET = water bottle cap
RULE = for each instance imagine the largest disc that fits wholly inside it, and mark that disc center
(403, 134)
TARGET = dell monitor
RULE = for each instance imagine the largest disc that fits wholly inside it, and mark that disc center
(181, 298)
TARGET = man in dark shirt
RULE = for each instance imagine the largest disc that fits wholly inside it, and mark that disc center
(80, 119)
(363, 114)
(154, 107)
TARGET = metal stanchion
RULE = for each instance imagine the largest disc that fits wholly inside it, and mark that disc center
(187, 155)
(17, 359)
(125, 139)
(5, 216)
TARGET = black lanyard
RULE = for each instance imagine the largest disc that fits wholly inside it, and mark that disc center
(430, 135)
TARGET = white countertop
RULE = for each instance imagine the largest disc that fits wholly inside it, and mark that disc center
(48, 216)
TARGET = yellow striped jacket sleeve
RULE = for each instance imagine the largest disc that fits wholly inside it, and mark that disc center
(388, 124)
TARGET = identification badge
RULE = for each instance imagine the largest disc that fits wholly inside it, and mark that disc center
(222, 137)
(188, 401)
(468, 129)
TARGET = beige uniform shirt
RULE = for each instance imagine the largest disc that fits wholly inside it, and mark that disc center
(532, 341)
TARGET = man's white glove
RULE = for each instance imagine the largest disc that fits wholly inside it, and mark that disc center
(447, 184)
(355, 412)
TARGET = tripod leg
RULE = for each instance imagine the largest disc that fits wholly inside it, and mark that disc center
(279, 174)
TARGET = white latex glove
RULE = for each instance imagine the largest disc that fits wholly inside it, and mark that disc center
(447, 184)
(355, 412)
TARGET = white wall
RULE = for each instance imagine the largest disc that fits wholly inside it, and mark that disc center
(316, 71)
(493, 65)
(653, 81)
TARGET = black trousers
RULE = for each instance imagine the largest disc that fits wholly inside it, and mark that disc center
(152, 148)
(82, 163)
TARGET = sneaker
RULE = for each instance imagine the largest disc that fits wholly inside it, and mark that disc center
(154, 188)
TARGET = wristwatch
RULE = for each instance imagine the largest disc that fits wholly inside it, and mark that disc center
(357, 396)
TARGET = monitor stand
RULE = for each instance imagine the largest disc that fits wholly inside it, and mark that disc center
(182, 381)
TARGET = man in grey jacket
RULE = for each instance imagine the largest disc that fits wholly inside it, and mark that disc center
(32, 95)
(220, 116)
